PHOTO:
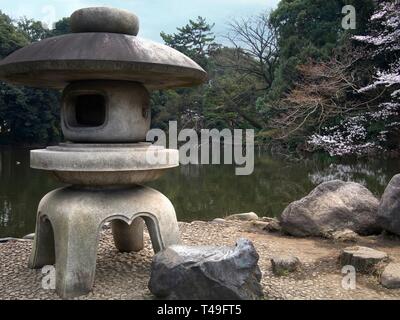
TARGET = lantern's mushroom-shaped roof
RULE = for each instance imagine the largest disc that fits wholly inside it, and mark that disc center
(109, 55)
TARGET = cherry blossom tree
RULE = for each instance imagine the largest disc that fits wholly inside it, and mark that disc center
(370, 131)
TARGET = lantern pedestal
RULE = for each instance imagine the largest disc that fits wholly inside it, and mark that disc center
(70, 220)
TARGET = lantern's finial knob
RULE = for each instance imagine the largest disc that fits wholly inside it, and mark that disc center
(104, 19)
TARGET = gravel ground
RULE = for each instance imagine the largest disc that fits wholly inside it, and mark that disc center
(125, 276)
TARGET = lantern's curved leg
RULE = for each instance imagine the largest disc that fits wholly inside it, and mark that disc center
(43, 252)
(76, 253)
(128, 238)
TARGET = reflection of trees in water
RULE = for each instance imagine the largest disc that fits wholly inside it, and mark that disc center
(348, 173)
(207, 191)
(204, 192)
(373, 174)
(190, 171)
(5, 213)
(21, 188)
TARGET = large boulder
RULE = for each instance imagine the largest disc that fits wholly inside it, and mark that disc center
(207, 273)
(389, 207)
(332, 206)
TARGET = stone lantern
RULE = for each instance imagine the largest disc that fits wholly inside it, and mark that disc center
(106, 73)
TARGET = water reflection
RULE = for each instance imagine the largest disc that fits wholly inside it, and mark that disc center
(20, 192)
(198, 192)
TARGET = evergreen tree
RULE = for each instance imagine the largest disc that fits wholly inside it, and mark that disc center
(196, 40)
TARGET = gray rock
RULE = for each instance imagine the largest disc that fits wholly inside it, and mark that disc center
(212, 273)
(363, 259)
(283, 265)
(345, 235)
(249, 216)
(390, 277)
(10, 239)
(269, 226)
(30, 236)
(219, 220)
(332, 206)
(389, 207)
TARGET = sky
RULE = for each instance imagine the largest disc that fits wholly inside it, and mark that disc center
(155, 15)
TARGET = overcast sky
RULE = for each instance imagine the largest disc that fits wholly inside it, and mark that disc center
(155, 15)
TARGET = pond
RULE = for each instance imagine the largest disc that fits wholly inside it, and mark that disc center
(198, 192)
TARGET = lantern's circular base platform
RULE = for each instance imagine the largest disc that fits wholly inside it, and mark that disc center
(69, 222)
(105, 164)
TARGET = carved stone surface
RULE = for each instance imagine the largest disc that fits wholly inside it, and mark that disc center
(48, 64)
(104, 19)
(69, 222)
(99, 165)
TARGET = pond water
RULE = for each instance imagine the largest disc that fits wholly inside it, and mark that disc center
(198, 192)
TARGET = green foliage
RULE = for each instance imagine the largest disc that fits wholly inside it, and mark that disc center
(310, 29)
(11, 38)
(27, 115)
(33, 30)
(196, 40)
(61, 27)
